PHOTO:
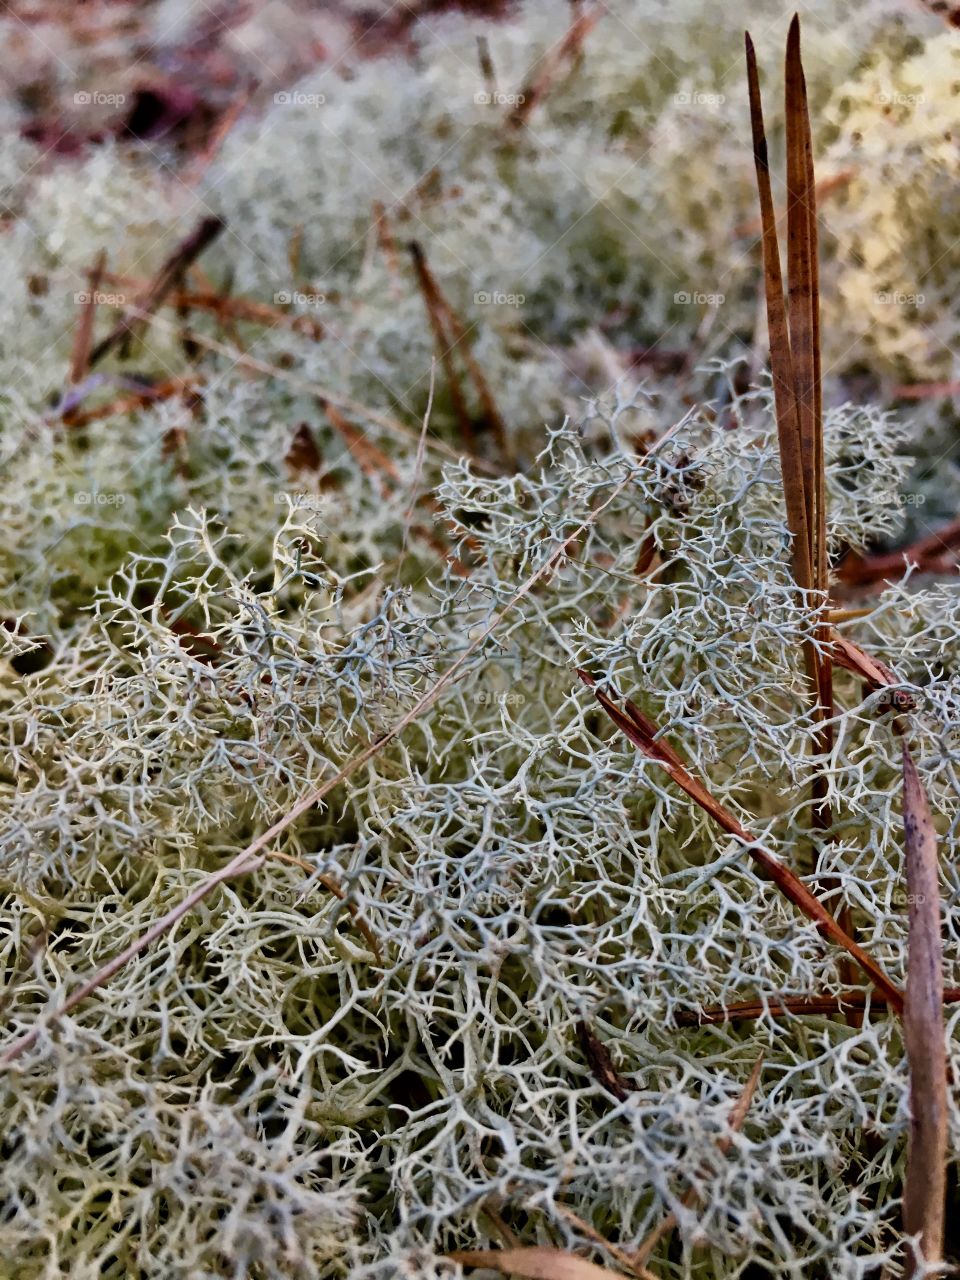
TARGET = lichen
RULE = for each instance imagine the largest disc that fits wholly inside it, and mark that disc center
(364, 1053)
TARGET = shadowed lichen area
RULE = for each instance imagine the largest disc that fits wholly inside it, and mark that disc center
(473, 997)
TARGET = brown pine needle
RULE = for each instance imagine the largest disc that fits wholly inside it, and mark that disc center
(451, 335)
(614, 1250)
(925, 1183)
(929, 555)
(824, 189)
(835, 616)
(491, 413)
(219, 135)
(130, 403)
(387, 242)
(437, 314)
(801, 258)
(737, 1117)
(780, 1006)
(804, 284)
(849, 655)
(418, 468)
(781, 357)
(295, 251)
(539, 81)
(487, 69)
(642, 732)
(368, 457)
(224, 306)
(925, 390)
(166, 280)
(83, 335)
(493, 1213)
(795, 363)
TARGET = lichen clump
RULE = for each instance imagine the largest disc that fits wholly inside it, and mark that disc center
(368, 1050)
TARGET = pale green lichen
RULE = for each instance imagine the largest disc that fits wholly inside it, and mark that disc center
(197, 632)
(519, 868)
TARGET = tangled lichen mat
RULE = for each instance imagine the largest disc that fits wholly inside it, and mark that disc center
(479, 641)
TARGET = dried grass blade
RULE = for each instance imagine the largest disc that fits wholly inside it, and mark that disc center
(925, 1183)
(792, 887)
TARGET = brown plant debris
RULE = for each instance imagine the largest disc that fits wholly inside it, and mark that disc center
(925, 1183)
(537, 1263)
(601, 1065)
